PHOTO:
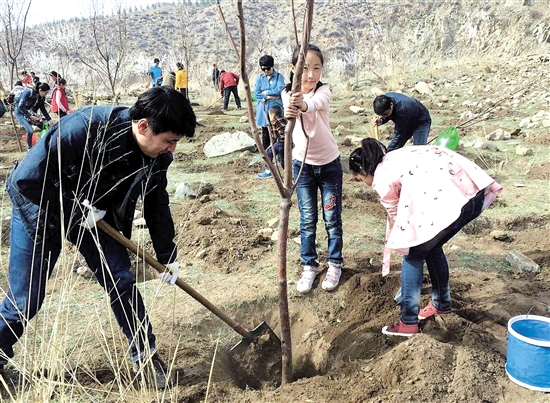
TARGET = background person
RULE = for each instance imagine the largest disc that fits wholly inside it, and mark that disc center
(322, 170)
(25, 103)
(169, 79)
(215, 77)
(35, 78)
(112, 179)
(228, 86)
(181, 80)
(278, 125)
(267, 91)
(26, 79)
(429, 193)
(155, 72)
(60, 102)
(55, 77)
(411, 118)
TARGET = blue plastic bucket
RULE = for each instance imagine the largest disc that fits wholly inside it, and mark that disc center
(528, 352)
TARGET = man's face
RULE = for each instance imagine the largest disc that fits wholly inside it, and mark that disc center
(388, 113)
(152, 144)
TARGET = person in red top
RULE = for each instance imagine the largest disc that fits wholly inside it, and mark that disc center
(228, 85)
(60, 103)
(26, 79)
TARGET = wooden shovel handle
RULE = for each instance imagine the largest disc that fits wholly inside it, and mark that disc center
(140, 252)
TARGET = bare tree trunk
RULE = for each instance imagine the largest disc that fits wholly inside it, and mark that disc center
(15, 131)
(285, 188)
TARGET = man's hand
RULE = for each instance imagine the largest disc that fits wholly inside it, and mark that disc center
(171, 274)
(376, 121)
(94, 215)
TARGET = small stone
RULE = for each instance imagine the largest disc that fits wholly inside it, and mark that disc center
(521, 262)
(202, 254)
(521, 150)
(265, 232)
(274, 222)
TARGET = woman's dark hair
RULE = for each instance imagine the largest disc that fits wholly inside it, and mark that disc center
(18, 82)
(381, 104)
(42, 87)
(295, 55)
(167, 110)
(367, 157)
(267, 61)
(179, 65)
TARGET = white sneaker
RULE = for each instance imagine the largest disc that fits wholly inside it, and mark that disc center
(333, 277)
(306, 281)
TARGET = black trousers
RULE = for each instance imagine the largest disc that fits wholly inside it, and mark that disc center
(227, 92)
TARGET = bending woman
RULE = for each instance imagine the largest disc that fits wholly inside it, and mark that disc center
(430, 194)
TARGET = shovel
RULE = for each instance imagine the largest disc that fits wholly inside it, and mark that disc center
(248, 336)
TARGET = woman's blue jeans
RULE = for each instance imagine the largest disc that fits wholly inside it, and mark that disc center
(432, 253)
(26, 125)
(328, 179)
(31, 264)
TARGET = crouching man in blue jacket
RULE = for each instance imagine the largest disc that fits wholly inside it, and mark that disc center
(95, 164)
(411, 118)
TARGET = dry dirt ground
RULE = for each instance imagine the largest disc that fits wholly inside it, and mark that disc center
(339, 352)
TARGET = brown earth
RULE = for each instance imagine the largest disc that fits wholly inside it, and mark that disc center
(339, 352)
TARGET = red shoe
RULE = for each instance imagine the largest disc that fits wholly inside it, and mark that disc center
(430, 310)
(400, 329)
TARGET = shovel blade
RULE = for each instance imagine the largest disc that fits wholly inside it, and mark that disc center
(253, 335)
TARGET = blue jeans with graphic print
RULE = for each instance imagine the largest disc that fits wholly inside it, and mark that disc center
(432, 253)
(328, 179)
(31, 262)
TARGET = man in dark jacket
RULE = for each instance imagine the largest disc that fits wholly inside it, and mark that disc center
(95, 164)
(411, 118)
(215, 77)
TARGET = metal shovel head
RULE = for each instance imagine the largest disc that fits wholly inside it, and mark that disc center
(253, 335)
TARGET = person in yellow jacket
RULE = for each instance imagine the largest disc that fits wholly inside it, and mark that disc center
(181, 79)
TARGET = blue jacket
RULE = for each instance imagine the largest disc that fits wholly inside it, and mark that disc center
(408, 113)
(273, 86)
(99, 160)
(155, 72)
(29, 102)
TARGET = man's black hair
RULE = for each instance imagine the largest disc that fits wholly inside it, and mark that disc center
(166, 110)
(267, 61)
(381, 104)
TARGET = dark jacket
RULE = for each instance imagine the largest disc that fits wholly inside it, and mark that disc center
(100, 162)
(408, 113)
(39, 105)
